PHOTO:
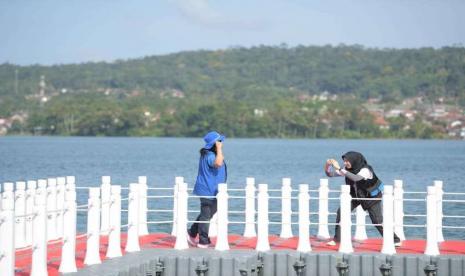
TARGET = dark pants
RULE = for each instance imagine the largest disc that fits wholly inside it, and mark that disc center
(207, 210)
(376, 215)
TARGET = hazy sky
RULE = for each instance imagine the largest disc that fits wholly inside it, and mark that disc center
(74, 31)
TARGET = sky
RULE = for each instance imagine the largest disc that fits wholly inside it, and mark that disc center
(50, 32)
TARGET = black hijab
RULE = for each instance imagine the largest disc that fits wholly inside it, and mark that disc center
(357, 161)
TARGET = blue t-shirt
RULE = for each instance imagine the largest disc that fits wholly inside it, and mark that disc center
(209, 176)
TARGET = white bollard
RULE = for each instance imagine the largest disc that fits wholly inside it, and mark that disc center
(360, 228)
(132, 242)
(105, 191)
(7, 231)
(93, 228)
(177, 180)
(30, 194)
(388, 221)
(61, 191)
(39, 235)
(263, 243)
(68, 250)
(114, 237)
(181, 219)
(51, 207)
(222, 242)
(346, 221)
(304, 220)
(142, 228)
(432, 248)
(286, 209)
(439, 214)
(249, 230)
(399, 209)
(20, 212)
(323, 213)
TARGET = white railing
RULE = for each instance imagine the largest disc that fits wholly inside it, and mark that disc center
(32, 218)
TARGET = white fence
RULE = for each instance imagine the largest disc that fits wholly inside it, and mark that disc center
(34, 217)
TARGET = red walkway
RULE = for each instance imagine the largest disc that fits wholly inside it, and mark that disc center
(161, 240)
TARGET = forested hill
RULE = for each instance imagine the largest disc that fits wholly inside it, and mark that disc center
(257, 77)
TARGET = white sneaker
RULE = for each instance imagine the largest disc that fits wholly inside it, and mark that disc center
(203, 245)
(191, 240)
(398, 244)
(331, 243)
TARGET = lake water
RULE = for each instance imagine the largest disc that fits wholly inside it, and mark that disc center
(417, 162)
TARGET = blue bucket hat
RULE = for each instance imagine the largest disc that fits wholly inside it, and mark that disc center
(211, 138)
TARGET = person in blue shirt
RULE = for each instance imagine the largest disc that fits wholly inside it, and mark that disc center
(212, 171)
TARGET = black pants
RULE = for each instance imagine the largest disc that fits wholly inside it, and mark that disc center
(376, 215)
(207, 210)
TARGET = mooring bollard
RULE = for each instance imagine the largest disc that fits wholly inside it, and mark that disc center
(68, 250)
(7, 231)
(222, 242)
(304, 219)
(132, 242)
(263, 243)
(286, 209)
(323, 194)
(142, 228)
(93, 228)
(249, 230)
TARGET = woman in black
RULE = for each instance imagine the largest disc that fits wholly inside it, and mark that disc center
(364, 183)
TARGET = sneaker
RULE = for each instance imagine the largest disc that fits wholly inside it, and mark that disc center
(331, 243)
(200, 245)
(398, 244)
(191, 240)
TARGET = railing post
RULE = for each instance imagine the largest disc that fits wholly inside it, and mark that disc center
(105, 189)
(20, 211)
(39, 234)
(439, 214)
(51, 207)
(132, 242)
(222, 242)
(432, 248)
(323, 194)
(181, 219)
(249, 230)
(114, 237)
(360, 228)
(142, 228)
(286, 209)
(263, 243)
(345, 223)
(7, 231)
(388, 221)
(93, 228)
(68, 250)
(304, 219)
(30, 194)
(399, 209)
(177, 180)
(61, 190)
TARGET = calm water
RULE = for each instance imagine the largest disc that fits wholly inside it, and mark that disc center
(418, 163)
